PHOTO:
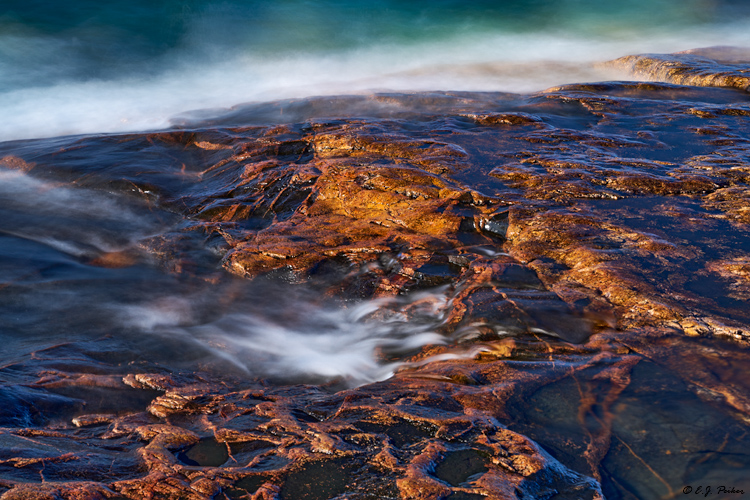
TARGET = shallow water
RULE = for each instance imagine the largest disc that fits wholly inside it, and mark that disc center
(122, 317)
(75, 274)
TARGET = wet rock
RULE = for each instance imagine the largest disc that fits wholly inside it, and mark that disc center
(98, 419)
(149, 380)
(54, 491)
(711, 67)
(733, 203)
(591, 244)
(505, 119)
(460, 466)
(15, 163)
(159, 485)
(354, 213)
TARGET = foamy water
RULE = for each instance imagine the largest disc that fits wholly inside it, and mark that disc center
(293, 336)
(58, 81)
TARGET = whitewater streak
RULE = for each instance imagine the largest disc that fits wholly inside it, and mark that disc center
(301, 339)
(181, 80)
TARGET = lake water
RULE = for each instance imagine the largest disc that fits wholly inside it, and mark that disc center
(86, 67)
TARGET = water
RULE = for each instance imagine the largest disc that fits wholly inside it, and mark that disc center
(86, 67)
(80, 278)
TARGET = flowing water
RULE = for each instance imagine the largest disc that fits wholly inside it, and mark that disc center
(86, 67)
(59, 287)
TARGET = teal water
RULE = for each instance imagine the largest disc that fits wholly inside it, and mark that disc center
(84, 66)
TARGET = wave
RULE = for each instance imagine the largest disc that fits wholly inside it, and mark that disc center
(48, 104)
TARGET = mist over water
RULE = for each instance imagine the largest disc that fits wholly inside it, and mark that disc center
(87, 67)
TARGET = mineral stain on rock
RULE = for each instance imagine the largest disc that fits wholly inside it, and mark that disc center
(578, 260)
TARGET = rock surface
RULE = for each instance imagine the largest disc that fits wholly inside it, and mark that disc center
(594, 243)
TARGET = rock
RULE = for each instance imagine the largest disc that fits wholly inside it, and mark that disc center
(711, 67)
(590, 242)
(76, 490)
(97, 419)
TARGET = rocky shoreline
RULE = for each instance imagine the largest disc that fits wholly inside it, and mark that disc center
(593, 241)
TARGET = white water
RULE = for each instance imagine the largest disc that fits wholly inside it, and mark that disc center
(52, 105)
(298, 338)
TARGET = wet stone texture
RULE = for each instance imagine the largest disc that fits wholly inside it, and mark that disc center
(593, 239)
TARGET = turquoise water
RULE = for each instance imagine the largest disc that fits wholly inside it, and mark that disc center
(86, 66)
